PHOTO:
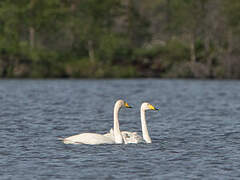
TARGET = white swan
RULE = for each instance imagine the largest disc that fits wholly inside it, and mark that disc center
(93, 138)
(133, 137)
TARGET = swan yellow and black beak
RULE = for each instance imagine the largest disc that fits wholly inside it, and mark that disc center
(126, 105)
(152, 107)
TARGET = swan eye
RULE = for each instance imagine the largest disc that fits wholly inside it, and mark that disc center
(126, 105)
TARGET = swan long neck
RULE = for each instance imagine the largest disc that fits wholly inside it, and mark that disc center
(145, 133)
(116, 128)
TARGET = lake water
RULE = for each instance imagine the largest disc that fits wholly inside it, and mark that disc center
(196, 133)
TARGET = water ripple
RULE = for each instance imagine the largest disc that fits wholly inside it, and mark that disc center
(196, 134)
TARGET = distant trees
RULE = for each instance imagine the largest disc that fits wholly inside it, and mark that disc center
(120, 38)
(203, 27)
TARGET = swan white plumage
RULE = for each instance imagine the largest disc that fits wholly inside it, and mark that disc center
(94, 138)
(133, 137)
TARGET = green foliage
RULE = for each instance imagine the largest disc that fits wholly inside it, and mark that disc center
(83, 68)
(232, 10)
(80, 68)
(176, 50)
(173, 54)
(149, 53)
(113, 38)
(200, 50)
(113, 49)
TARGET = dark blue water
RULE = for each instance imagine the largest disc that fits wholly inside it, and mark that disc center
(196, 134)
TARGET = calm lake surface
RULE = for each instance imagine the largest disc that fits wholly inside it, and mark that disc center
(196, 133)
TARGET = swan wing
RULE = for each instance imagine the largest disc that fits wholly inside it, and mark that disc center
(128, 137)
(88, 138)
(131, 137)
(110, 135)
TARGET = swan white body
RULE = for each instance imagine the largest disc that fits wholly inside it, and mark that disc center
(88, 138)
(133, 137)
(128, 137)
(93, 138)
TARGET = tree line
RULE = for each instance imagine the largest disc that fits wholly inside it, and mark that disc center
(119, 38)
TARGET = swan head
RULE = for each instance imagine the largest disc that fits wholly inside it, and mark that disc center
(148, 106)
(122, 103)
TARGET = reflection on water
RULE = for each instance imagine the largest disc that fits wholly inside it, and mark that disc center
(196, 134)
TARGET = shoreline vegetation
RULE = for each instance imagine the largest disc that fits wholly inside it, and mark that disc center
(120, 39)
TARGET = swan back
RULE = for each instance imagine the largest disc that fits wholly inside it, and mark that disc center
(88, 138)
